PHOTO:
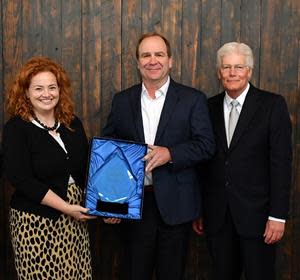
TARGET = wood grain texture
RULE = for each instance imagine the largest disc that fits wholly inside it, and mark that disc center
(210, 43)
(91, 65)
(270, 45)
(71, 51)
(95, 41)
(250, 32)
(12, 54)
(32, 29)
(231, 21)
(12, 40)
(131, 31)
(151, 12)
(111, 54)
(172, 28)
(52, 28)
(191, 34)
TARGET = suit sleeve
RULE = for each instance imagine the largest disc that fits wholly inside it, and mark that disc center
(109, 130)
(200, 146)
(280, 159)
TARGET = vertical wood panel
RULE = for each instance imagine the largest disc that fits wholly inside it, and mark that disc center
(111, 54)
(12, 59)
(71, 47)
(12, 36)
(51, 29)
(231, 18)
(191, 25)
(210, 42)
(32, 29)
(151, 16)
(131, 31)
(91, 65)
(250, 32)
(171, 28)
(270, 45)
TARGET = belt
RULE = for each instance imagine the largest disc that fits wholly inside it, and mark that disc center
(148, 188)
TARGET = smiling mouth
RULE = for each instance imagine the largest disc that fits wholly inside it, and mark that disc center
(156, 69)
(46, 100)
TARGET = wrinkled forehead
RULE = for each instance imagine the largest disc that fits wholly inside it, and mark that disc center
(152, 44)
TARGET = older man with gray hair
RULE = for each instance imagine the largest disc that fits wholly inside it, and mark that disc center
(246, 196)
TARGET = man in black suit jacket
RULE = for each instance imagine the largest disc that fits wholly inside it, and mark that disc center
(246, 197)
(173, 120)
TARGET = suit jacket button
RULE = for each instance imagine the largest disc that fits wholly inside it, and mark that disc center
(227, 184)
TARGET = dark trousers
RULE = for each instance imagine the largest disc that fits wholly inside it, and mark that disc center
(232, 254)
(151, 245)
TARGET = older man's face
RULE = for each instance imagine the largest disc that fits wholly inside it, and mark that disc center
(234, 74)
(154, 63)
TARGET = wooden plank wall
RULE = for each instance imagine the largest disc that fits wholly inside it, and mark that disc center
(95, 41)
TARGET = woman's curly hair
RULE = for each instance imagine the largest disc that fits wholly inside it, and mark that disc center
(19, 105)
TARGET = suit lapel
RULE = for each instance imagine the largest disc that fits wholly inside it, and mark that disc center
(217, 114)
(250, 106)
(135, 99)
(168, 109)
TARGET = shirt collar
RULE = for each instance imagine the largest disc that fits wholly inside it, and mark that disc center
(241, 98)
(162, 91)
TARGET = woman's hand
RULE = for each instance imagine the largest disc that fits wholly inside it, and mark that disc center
(78, 212)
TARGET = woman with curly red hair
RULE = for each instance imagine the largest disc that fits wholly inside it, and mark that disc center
(44, 154)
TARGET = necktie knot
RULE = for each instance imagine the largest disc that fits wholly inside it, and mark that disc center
(234, 103)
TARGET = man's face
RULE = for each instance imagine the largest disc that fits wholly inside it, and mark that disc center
(234, 74)
(154, 63)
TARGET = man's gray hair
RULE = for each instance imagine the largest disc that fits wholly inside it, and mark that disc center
(235, 48)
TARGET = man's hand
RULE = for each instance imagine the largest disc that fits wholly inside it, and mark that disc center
(198, 226)
(112, 220)
(156, 157)
(274, 231)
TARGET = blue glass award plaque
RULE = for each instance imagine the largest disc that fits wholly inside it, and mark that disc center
(115, 178)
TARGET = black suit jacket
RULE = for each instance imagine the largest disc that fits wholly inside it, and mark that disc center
(253, 176)
(184, 128)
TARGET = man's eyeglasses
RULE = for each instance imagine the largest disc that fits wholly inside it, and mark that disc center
(238, 68)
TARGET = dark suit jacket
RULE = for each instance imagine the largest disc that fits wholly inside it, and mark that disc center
(185, 129)
(253, 176)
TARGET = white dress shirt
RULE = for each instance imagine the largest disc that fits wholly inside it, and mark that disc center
(151, 111)
(227, 107)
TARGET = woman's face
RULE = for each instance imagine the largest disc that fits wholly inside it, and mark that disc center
(43, 93)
